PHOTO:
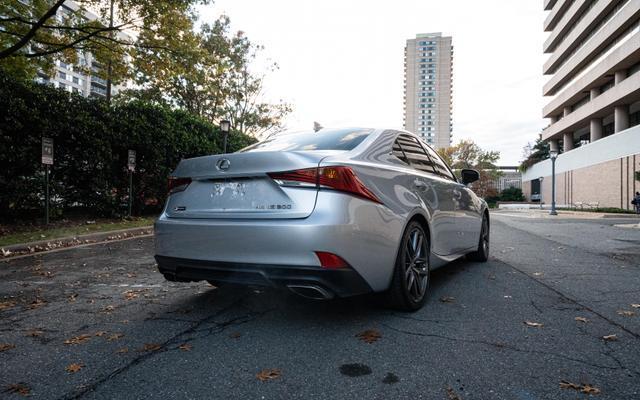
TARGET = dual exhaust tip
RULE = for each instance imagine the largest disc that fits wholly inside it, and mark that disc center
(311, 292)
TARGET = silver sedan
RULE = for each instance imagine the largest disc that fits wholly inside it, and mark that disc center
(326, 214)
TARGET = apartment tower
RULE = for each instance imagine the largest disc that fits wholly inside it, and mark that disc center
(428, 67)
(592, 102)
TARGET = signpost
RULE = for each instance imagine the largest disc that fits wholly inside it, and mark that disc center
(47, 159)
(131, 167)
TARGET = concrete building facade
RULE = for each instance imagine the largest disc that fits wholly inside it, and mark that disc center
(593, 102)
(428, 88)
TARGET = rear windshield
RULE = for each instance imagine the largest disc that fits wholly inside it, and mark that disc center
(325, 139)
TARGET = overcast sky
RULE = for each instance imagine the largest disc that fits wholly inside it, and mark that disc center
(341, 61)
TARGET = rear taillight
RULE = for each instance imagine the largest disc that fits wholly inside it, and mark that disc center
(330, 260)
(340, 178)
(175, 185)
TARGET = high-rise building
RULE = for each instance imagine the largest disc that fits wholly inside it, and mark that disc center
(81, 78)
(428, 68)
(592, 102)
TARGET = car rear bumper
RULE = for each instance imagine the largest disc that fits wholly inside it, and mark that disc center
(365, 234)
(313, 282)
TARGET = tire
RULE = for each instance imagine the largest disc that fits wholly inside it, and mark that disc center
(482, 254)
(411, 275)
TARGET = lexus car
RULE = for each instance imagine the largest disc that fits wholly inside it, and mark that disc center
(332, 213)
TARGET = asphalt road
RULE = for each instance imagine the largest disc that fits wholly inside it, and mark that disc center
(106, 313)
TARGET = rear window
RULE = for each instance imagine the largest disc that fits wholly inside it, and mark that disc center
(325, 139)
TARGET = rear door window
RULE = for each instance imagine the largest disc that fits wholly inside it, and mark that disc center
(415, 154)
(439, 165)
(325, 139)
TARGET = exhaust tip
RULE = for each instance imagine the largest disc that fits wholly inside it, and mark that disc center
(311, 292)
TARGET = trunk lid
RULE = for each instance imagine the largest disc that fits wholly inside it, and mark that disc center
(237, 186)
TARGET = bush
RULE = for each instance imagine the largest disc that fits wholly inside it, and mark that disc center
(91, 141)
(512, 194)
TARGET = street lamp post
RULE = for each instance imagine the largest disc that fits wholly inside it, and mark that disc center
(225, 126)
(553, 154)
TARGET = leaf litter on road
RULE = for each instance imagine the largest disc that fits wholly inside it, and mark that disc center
(151, 347)
(268, 374)
(19, 388)
(582, 388)
(122, 350)
(6, 346)
(610, 338)
(581, 319)
(78, 339)
(635, 305)
(447, 299)
(185, 347)
(626, 313)
(533, 324)
(73, 368)
(114, 336)
(369, 336)
(5, 305)
(452, 395)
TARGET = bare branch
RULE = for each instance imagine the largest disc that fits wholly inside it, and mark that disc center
(32, 32)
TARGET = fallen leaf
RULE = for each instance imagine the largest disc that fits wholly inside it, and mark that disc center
(185, 347)
(73, 368)
(610, 338)
(115, 336)
(268, 374)
(626, 313)
(36, 303)
(369, 336)
(19, 388)
(130, 294)
(537, 274)
(5, 305)
(447, 299)
(451, 394)
(588, 389)
(234, 335)
(507, 297)
(78, 339)
(533, 324)
(34, 333)
(72, 298)
(6, 346)
(100, 333)
(123, 350)
(635, 305)
(5, 253)
(581, 319)
(131, 275)
(569, 385)
(108, 309)
(151, 347)
(585, 388)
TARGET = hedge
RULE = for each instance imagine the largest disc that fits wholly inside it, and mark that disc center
(91, 142)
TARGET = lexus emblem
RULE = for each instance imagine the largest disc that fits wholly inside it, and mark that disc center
(223, 164)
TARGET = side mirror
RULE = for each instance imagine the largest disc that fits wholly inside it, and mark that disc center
(469, 176)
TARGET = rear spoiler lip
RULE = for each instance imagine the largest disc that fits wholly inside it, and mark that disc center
(193, 167)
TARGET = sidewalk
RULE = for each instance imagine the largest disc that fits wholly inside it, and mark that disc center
(71, 241)
(568, 214)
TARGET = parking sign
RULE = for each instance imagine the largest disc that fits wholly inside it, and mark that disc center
(131, 160)
(47, 151)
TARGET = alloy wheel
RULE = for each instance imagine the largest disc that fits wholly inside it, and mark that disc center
(416, 262)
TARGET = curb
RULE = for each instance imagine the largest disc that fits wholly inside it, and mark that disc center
(13, 250)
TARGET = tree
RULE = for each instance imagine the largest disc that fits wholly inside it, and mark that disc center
(209, 77)
(512, 194)
(33, 34)
(534, 153)
(467, 154)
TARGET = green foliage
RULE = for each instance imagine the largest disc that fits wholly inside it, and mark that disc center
(638, 176)
(512, 194)
(534, 154)
(91, 141)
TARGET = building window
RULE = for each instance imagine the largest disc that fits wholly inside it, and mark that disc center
(76, 80)
(62, 75)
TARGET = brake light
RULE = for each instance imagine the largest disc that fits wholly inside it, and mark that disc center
(176, 185)
(330, 260)
(340, 178)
